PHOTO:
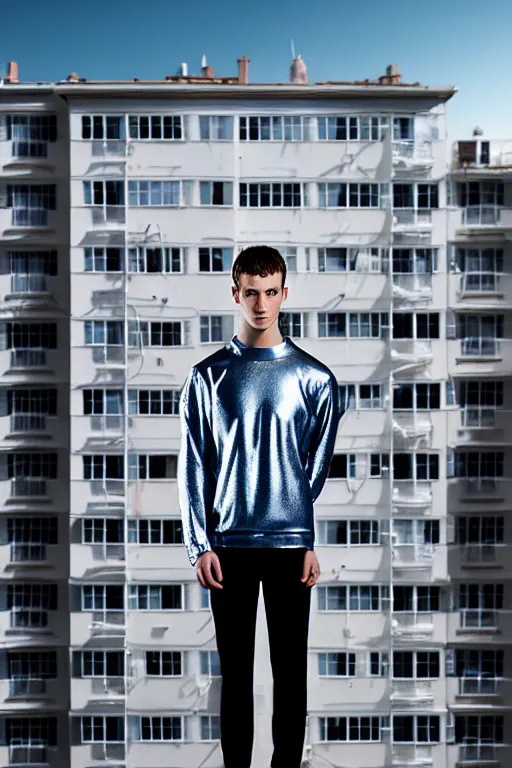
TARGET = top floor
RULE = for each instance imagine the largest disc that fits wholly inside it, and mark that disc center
(481, 156)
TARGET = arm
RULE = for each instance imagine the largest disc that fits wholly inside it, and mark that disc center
(329, 409)
(196, 480)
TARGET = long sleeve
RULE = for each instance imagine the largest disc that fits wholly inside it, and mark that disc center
(196, 479)
(329, 410)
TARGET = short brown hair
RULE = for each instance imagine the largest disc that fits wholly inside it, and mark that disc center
(259, 260)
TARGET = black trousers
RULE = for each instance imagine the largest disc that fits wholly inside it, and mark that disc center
(287, 608)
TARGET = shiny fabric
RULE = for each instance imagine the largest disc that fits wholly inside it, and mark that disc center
(258, 427)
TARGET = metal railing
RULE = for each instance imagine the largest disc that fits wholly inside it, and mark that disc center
(28, 618)
(26, 686)
(29, 217)
(26, 148)
(481, 484)
(108, 214)
(479, 282)
(28, 358)
(22, 552)
(406, 219)
(478, 686)
(27, 486)
(478, 416)
(28, 422)
(27, 752)
(28, 283)
(477, 751)
(481, 215)
(478, 618)
(480, 553)
(414, 151)
(479, 346)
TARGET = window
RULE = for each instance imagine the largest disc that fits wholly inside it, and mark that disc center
(216, 328)
(102, 402)
(40, 465)
(479, 663)
(210, 727)
(153, 127)
(357, 325)
(98, 664)
(481, 394)
(102, 597)
(345, 465)
(216, 193)
(97, 530)
(159, 729)
(481, 596)
(103, 192)
(341, 195)
(416, 466)
(421, 665)
(205, 598)
(476, 193)
(479, 729)
(356, 729)
(153, 402)
(348, 532)
(142, 333)
(102, 467)
(415, 196)
(152, 467)
(168, 193)
(478, 260)
(479, 464)
(155, 532)
(31, 730)
(102, 729)
(415, 261)
(361, 128)
(30, 203)
(102, 127)
(480, 326)
(31, 335)
(479, 529)
(32, 401)
(155, 597)
(104, 332)
(215, 259)
(337, 664)
(215, 128)
(403, 128)
(378, 664)
(33, 262)
(164, 663)
(155, 260)
(422, 729)
(352, 259)
(275, 128)
(361, 396)
(103, 259)
(414, 532)
(30, 134)
(353, 597)
(209, 663)
(38, 665)
(272, 195)
(32, 530)
(416, 599)
(417, 396)
(412, 325)
(25, 595)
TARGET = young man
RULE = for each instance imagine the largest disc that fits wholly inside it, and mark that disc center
(259, 420)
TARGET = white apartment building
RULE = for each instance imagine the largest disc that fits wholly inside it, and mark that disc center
(122, 207)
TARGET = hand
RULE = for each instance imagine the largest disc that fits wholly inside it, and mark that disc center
(311, 570)
(204, 570)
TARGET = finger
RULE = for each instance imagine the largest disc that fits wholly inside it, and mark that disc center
(217, 569)
(200, 578)
(305, 571)
(210, 580)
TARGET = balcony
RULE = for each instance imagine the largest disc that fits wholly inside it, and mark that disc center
(28, 487)
(29, 217)
(478, 753)
(481, 157)
(411, 352)
(412, 288)
(480, 347)
(114, 148)
(27, 686)
(412, 626)
(411, 429)
(107, 687)
(28, 284)
(480, 283)
(29, 358)
(28, 423)
(478, 417)
(28, 618)
(412, 221)
(408, 694)
(479, 686)
(481, 216)
(410, 495)
(28, 752)
(413, 755)
(28, 553)
(417, 557)
(107, 215)
(478, 620)
(412, 155)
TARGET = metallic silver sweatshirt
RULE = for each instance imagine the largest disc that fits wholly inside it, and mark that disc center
(258, 427)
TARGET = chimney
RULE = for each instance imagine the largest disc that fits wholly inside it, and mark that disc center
(206, 71)
(243, 70)
(12, 72)
(73, 78)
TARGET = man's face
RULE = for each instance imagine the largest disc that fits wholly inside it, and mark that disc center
(260, 299)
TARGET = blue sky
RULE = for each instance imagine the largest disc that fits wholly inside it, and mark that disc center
(465, 43)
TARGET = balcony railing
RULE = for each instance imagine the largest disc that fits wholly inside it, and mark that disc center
(28, 618)
(480, 554)
(28, 358)
(475, 752)
(110, 686)
(412, 625)
(415, 755)
(479, 282)
(480, 346)
(29, 283)
(478, 686)
(481, 484)
(414, 282)
(26, 686)
(478, 416)
(481, 215)
(478, 618)
(22, 552)
(412, 691)
(405, 556)
(27, 487)
(108, 214)
(405, 220)
(411, 495)
(412, 153)
(28, 422)
(27, 752)
(108, 147)
(29, 217)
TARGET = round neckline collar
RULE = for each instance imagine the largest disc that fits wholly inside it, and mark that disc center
(261, 353)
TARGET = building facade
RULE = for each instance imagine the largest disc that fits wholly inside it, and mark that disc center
(122, 207)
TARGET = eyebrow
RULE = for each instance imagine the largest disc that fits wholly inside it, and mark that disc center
(268, 289)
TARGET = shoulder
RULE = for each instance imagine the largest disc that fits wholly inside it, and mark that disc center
(316, 369)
